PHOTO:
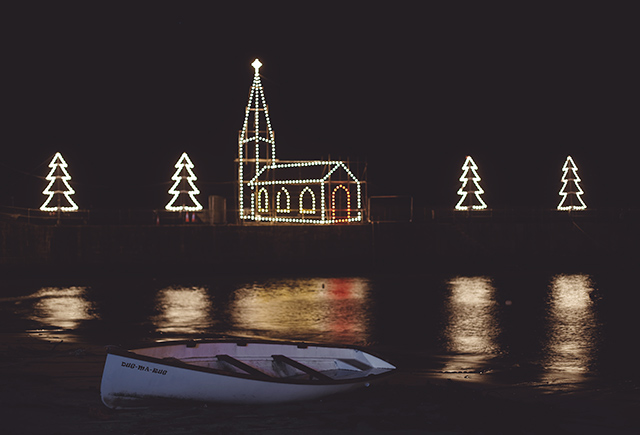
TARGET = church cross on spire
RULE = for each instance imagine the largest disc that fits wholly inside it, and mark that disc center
(256, 142)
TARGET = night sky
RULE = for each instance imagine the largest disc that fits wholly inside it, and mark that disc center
(404, 92)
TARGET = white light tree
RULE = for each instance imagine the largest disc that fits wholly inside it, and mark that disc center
(183, 190)
(571, 191)
(58, 190)
(470, 190)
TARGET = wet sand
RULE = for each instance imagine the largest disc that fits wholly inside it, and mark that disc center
(52, 386)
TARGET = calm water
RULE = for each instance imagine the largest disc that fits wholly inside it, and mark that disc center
(534, 327)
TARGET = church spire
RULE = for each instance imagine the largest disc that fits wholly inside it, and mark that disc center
(256, 128)
(256, 142)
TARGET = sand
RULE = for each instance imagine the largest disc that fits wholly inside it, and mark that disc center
(51, 386)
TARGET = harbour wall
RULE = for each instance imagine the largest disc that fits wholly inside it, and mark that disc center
(253, 249)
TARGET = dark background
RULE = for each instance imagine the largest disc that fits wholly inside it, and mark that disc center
(404, 91)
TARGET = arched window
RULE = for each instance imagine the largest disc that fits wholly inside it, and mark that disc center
(283, 201)
(263, 200)
(307, 201)
(340, 204)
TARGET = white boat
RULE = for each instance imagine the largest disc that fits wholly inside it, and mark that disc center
(241, 372)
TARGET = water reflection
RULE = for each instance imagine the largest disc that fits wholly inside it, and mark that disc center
(573, 326)
(471, 309)
(334, 310)
(62, 308)
(471, 325)
(183, 310)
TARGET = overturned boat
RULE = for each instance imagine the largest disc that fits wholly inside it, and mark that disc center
(239, 371)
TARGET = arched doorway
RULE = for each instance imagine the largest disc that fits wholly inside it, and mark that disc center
(340, 204)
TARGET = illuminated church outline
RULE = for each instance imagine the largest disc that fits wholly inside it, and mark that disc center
(304, 192)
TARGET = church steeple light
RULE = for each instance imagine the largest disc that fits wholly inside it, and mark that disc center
(256, 142)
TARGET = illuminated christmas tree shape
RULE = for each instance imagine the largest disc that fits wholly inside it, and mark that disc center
(470, 190)
(571, 191)
(58, 189)
(183, 190)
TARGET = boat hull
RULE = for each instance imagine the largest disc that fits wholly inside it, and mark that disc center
(131, 381)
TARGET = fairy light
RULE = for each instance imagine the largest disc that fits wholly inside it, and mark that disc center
(287, 207)
(265, 177)
(571, 191)
(58, 165)
(257, 179)
(307, 192)
(470, 174)
(257, 105)
(263, 200)
(184, 163)
(333, 203)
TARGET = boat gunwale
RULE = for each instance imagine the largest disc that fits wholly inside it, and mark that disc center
(175, 362)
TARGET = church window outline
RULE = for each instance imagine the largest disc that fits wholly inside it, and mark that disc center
(279, 208)
(312, 195)
(263, 200)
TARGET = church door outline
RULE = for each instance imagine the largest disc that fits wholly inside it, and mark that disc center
(333, 204)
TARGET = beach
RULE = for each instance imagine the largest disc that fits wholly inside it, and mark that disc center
(52, 386)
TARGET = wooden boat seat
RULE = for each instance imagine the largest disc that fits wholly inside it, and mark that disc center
(298, 365)
(243, 366)
(356, 364)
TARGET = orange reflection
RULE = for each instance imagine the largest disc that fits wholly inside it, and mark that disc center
(573, 326)
(315, 309)
(184, 310)
(63, 308)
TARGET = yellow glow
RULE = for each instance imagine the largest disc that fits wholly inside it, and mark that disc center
(183, 310)
(312, 309)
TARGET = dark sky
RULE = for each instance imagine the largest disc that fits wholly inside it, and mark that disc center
(401, 90)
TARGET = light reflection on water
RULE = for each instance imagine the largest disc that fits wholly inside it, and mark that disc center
(63, 308)
(573, 327)
(471, 327)
(334, 309)
(183, 310)
(474, 327)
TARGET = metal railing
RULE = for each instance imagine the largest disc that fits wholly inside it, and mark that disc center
(415, 215)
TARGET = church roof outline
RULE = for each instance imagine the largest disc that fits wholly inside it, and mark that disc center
(282, 169)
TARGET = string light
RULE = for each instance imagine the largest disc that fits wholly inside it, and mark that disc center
(469, 174)
(333, 203)
(287, 207)
(571, 190)
(58, 165)
(263, 200)
(256, 174)
(184, 163)
(257, 105)
(307, 192)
